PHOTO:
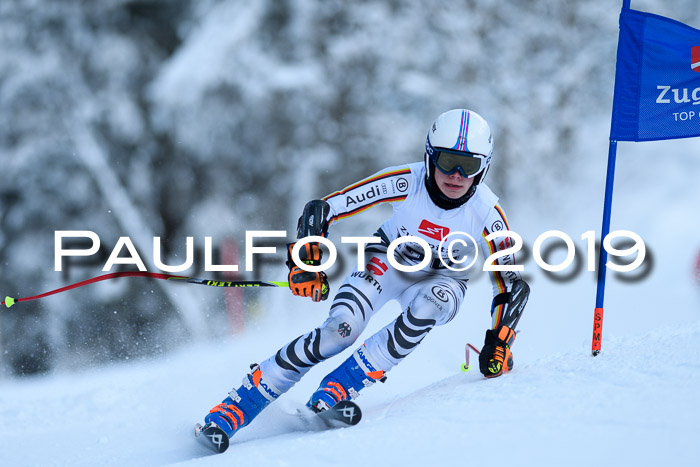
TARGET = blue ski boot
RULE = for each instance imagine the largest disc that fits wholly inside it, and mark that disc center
(345, 382)
(243, 404)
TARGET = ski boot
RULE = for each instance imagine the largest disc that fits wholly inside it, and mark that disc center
(345, 382)
(240, 407)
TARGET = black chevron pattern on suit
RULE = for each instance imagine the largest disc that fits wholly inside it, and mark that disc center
(311, 347)
(402, 339)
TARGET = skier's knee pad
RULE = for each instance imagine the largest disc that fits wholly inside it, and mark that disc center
(438, 301)
(339, 332)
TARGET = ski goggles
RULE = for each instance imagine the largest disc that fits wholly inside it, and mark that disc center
(467, 163)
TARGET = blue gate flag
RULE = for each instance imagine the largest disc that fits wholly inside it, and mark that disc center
(657, 79)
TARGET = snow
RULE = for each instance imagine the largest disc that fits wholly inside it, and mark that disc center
(633, 405)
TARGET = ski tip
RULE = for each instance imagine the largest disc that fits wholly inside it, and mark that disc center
(211, 436)
(344, 413)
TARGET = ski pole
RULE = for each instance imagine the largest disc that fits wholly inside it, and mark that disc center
(465, 366)
(9, 301)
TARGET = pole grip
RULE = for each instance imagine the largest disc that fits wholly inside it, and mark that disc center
(597, 331)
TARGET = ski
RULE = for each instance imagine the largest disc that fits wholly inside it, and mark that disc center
(211, 436)
(344, 413)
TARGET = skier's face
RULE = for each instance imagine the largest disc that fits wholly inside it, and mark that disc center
(454, 185)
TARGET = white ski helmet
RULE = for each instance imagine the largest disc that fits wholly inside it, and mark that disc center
(460, 140)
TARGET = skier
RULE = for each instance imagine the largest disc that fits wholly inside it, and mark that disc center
(443, 194)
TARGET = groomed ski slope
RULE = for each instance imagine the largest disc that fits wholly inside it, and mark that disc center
(635, 404)
(632, 405)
